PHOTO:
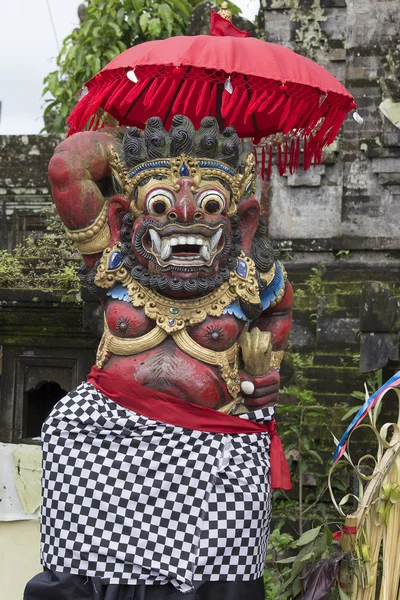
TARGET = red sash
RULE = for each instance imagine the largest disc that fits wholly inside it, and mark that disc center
(163, 407)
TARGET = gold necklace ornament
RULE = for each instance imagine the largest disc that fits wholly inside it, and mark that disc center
(172, 314)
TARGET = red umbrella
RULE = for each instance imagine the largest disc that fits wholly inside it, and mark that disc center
(266, 91)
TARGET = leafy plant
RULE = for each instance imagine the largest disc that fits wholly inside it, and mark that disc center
(46, 260)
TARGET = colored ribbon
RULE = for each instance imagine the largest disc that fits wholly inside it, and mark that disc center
(362, 413)
(168, 409)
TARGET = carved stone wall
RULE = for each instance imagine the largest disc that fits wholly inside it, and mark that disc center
(24, 188)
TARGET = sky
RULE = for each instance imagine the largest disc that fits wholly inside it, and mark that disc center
(28, 49)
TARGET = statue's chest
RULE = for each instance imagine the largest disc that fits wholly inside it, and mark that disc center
(215, 333)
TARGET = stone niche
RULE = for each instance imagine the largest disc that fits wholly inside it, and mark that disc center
(48, 348)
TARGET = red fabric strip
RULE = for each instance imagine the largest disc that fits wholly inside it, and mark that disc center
(347, 530)
(220, 26)
(168, 409)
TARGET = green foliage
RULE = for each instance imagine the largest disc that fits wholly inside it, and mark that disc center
(313, 286)
(289, 560)
(10, 270)
(109, 27)
(45, 261)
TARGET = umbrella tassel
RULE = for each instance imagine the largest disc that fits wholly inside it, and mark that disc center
(202, 97)
(237, 110)
(292, 160)
(277, 105)
(285, 114)
(155, 91)
(119, 92)
(254, 103)
(270, 162)
(175, 108)
(168, 97)
(263, 159)
(133, 98)
(267, 104)
(211, 106)
(229, 101)
(255, 157)
(337, 122)
(90, 122)
(298, 152)
(189, 96)
(295, 111)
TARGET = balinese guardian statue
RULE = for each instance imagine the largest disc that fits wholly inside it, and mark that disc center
(158, 469)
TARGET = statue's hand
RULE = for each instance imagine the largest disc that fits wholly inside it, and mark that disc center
(265, 392)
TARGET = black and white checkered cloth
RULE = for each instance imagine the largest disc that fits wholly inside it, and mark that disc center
(132, 500)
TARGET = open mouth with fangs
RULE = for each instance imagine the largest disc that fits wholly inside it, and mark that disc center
(181, 246)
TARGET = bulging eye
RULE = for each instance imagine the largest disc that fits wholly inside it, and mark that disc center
(212, 202)
(159, 201)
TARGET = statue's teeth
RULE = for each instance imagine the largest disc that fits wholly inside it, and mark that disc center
(199, 241)
(166, 251)
(182, 239)
(174, 241)
(215, 239)
(205, 253)
(191, 240)
(155, 238)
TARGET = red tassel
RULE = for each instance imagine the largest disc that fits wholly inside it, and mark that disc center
(263, 159)
(256, 157)
(121, 88)
(90, 123)
(277, 105)
(292, 156)
(236, 112)
(282, 159)
(253, 105)
(181, 97)
(202, 97)
(168, 96)
(189, 97)
(229, 101)
(265, 106)
(270, 162)
(294, 116)
(298, 152)
(212, 103)
(154, 91)
(285, 114)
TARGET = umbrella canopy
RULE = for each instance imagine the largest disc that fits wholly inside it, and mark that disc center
(266, 91)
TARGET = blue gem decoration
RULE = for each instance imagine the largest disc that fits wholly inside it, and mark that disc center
(171, 322)
(184, 171)
(115, 261)
(236, 380)
(241, 268)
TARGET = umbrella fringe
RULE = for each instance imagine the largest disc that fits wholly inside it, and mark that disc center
(285, 114)
(155, 91)
(282, 158)
(237, 110)
(267, 104)
(337, 122)
(133, 96)
(255, 157)
(270, 162)
(211, 106)
(275, 107)
(254, 103)
(189, 96)
(295, 111)
(168, 97)
(292, 154)
(180, 96)
(202, 97)
(119, 93)
(263, 159)
(77, 120)
(229, 101)
(297, 153)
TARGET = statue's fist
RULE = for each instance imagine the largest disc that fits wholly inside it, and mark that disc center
(259, 392)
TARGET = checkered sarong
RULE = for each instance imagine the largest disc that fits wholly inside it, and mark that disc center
(134, 500)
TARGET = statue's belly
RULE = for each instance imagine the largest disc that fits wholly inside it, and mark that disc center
(167, 369)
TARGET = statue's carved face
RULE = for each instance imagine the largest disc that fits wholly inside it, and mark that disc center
(183, 228)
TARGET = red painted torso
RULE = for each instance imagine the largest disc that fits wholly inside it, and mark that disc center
(167, 368)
